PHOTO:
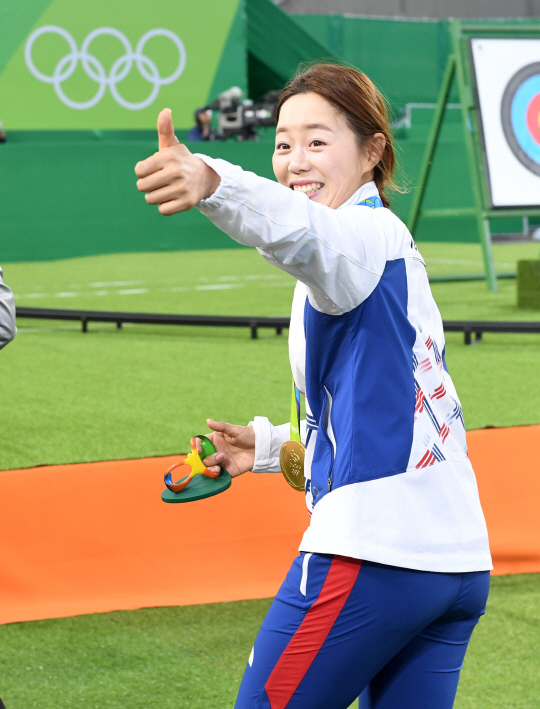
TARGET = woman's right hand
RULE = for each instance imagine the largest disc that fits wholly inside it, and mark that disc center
(235, 448)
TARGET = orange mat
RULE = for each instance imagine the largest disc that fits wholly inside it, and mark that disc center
(507, 466)
(96, 537)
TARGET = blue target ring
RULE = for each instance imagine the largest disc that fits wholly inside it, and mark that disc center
(528, 91)
(521, 95)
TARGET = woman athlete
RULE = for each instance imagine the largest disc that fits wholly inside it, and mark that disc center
(393, 572)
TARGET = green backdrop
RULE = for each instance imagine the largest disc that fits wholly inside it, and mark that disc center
(71, 193)
(75, 195)
(112, 64)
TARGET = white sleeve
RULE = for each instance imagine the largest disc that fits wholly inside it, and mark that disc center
(8, 329)
(268, 442)
(339, 254)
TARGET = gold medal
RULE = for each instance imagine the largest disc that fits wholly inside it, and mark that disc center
(291, 460)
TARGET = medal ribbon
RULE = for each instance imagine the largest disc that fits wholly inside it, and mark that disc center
(295, 414)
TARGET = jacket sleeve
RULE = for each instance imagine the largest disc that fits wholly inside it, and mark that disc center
(268, 442)
(8, 329)
(339, 254)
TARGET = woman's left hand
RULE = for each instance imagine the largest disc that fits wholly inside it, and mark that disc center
(174, 178)
(235, 448)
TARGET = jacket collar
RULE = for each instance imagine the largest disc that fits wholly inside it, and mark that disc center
(367, 190)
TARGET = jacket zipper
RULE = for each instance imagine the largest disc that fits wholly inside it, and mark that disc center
(330, 434)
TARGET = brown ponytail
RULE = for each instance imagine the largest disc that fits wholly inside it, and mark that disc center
(356, 97)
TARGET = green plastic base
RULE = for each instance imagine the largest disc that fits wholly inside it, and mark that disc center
(199, 488)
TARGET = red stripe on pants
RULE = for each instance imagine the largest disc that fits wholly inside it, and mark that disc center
(304, 645)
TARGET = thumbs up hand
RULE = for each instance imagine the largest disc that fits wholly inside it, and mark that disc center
(165, 130)
(174, 178)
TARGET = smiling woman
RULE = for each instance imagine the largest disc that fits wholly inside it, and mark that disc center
(321, 159)
(347, 137)
(393, 573)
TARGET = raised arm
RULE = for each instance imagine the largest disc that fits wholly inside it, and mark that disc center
(339, 254)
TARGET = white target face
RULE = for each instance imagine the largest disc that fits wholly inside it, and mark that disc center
(507, 74)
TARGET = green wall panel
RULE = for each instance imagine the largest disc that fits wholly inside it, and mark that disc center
(66, 195)
(232, 69)
(276, 40)
(406, 59)
(74, 194)
(15, 19)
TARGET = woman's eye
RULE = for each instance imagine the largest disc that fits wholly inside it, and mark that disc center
(282, 146)
(317, 143)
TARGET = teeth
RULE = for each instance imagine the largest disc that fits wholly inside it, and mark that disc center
(313, 187)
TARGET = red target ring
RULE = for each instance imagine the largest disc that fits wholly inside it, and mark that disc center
(533, 118)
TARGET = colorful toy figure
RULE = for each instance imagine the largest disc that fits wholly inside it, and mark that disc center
(192, 465)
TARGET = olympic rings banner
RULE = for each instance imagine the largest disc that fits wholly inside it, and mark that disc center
(112, 64)
(507, 74)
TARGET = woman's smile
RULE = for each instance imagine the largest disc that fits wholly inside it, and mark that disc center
(312, 189)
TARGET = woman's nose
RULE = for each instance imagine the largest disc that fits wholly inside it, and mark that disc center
(299, 162)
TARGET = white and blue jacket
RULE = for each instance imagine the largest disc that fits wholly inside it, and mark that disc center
(388, 478)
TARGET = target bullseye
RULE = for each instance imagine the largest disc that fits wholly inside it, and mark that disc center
(533, 118)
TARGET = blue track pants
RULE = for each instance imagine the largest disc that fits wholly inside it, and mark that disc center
(340, 628)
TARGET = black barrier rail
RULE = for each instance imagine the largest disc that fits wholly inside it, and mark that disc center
(460, 277)
(86, 316)
(468, 327)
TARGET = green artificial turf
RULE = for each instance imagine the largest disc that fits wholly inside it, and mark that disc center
(144, 390)
(497, 379)
(220, 282)
(136, 393)
(194, 657)
(502, 666)
(235, 282)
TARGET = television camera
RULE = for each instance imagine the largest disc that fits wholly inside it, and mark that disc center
(239, 118)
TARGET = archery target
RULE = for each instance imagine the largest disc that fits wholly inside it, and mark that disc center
(520, 116)
(507, 75)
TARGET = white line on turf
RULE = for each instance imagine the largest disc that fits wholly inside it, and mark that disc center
(262, 281)
(101, 284)
(220, 286)
(133, 291)
(25, 330)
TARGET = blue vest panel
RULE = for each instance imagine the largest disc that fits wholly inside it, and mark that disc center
(360, 386)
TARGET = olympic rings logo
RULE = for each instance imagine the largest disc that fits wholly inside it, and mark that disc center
(95, 70)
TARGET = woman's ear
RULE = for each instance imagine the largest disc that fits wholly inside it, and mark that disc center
(376, 146)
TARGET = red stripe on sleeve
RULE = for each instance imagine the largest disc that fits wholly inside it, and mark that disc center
(304, 645)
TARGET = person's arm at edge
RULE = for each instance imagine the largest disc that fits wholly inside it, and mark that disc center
(8, 328)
